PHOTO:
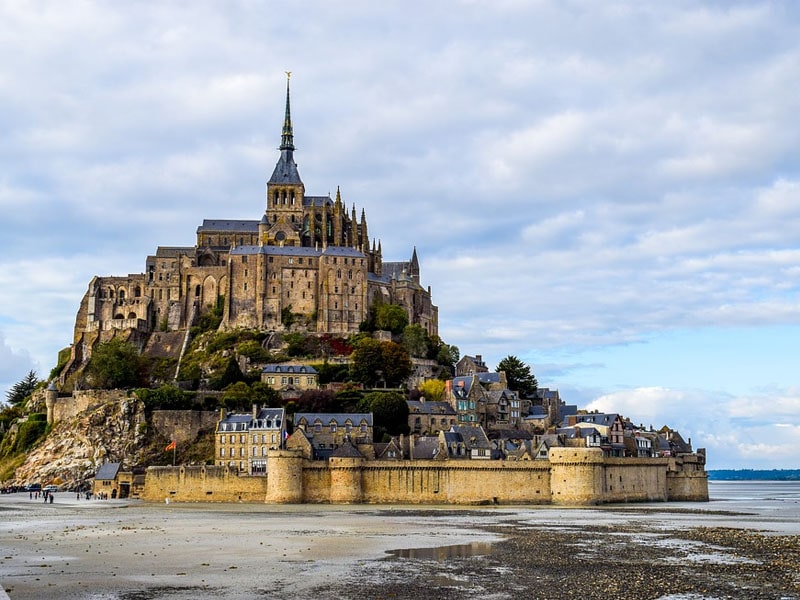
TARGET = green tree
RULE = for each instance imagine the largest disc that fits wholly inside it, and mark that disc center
(374, 363)
(21, 390)
(264, 395)
(519, 376)
(391, 317)
(231, 374)
(366, 362)
(389, 412)
(115, 364)
(165, 397)
(397, 365)
(237, 396)
(415, 340)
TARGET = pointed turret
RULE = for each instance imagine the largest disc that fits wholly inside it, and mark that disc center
(414, 266)
(286, 169)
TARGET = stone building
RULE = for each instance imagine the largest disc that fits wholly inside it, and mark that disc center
(429, 417)
(290, 377)
(307, 262)
(326, 432)
(243, 440)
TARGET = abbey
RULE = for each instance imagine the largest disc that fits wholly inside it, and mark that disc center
(307, 261)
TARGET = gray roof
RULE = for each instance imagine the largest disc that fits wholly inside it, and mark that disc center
(489, 377)
(317, 201)
(286, 169)
(474, 437)
(306, 369)
(426, 447)
(235, 225)
(430, 407)
(108, 471)
(347, 450)
(339, 418)
(606, 419)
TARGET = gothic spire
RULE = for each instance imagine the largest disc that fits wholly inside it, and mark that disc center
(287, 137)
(286, 169)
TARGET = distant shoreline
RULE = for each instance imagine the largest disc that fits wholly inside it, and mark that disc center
(753, 474)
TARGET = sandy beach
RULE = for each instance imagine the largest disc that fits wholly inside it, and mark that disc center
(745, 545)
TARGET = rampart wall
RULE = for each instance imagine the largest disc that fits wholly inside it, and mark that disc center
(571, 476)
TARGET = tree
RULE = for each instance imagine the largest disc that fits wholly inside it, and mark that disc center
(397, 365)
(389, 412)
(20, 391)
(366, 362)
(432, 390)
(115, 364)
(415, 340)
(231, 374)
(518, 375)
(374, 363)
(391, 317)
(237, 396)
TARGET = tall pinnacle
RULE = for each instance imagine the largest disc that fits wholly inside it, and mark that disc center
(287, 137)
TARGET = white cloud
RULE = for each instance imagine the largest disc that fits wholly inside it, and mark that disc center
(575, 175)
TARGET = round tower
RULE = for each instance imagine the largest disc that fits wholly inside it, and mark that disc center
(576, 475)
(346, 485)
(50, 398)
(284, 477)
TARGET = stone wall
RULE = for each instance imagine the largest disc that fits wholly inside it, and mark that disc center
(571, 476)
(202, 484)
(67, 407)
(183, 425)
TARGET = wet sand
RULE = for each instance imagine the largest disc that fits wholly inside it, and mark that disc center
(129, 550)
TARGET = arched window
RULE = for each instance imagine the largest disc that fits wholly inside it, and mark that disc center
(122, 294)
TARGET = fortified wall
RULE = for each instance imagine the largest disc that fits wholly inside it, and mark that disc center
(571, 476)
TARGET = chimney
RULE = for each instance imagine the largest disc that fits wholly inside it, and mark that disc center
(255, 411)
(479, 359)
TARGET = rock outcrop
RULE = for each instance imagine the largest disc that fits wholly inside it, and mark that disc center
(111, 431)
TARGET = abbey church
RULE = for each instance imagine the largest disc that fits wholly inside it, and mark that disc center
(307, 261)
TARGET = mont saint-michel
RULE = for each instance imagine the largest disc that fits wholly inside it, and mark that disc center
(282, 360)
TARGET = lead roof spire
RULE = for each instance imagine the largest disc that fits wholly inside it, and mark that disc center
(287, 137)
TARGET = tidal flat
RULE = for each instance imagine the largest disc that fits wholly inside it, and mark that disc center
(744, 543)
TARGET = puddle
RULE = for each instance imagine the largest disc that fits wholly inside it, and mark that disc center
(442, 553)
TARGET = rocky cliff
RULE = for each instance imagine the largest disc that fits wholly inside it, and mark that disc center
(110, 431)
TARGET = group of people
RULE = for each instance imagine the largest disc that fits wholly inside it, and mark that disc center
(47, 495)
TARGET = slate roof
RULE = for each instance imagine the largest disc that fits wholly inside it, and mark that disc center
(508, 434)
(108, 471)
(426, 447)
(304, 369)
(430, 407)
(339, 418)
(346, 450)
(317, 201)
(488, 377)
(474, 437)
(237, 225)
(268, 418)
(606, 419)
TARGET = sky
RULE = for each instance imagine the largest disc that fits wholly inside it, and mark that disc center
(609, 191)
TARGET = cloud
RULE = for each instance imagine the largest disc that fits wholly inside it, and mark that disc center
(574, 176)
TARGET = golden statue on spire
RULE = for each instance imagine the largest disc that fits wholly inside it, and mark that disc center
(288, 74)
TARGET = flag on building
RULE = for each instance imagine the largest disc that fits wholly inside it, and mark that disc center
(170, 446)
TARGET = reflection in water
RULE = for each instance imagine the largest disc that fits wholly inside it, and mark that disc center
(441, 553)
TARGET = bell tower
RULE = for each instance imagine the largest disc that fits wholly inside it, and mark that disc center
(285, 190)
